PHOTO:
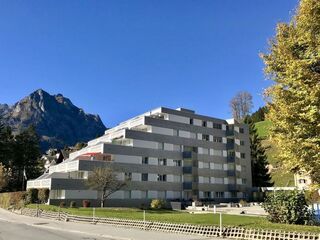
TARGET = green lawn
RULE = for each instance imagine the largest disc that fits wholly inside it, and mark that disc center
(280, 177)
(183, 217)
(263, 128)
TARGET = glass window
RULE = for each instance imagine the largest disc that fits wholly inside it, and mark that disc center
(162, 178)
(217, 125)
(207, 194)
(205, 137)
(177, 163)
(243, 155)
(204, 123)
(144, 177)
(217, 139)
(145, 160)
(220, 194)
(162, 161)
(128, 176)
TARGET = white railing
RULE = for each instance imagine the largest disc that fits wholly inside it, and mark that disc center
(42, 183)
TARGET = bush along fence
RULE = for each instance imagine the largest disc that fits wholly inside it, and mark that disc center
(208, 231)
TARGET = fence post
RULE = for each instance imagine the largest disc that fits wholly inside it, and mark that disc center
(220, 224)
(144, 219)
(93, 214)
(37, 209)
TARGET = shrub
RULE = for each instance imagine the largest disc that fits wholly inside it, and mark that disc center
(62, 204)
(243, 203)
(157, 204)
(86, 203)
(32, 196)
(73, 204)
(43, 195)
(17, 199)
(288, 207)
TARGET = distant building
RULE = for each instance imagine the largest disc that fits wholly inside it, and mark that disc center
(302, 180)
(166, 154)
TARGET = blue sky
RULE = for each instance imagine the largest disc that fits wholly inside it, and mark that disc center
(121, 58)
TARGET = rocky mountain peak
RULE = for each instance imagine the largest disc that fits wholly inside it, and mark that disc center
(57, 120)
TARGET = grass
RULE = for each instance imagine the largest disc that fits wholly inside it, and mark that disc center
(280, 177)
(183, 217)
(263, 128)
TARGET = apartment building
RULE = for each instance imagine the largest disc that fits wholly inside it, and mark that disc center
(166, 154)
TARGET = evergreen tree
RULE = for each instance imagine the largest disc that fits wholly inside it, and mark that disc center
(294, 65)
(6, 141)
(259, 162)
(26, 160)
(259, 115)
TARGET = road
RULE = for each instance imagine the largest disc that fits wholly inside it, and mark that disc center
(17, 227)
(19, 231)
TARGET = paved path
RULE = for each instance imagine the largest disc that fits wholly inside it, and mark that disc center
(18, 227)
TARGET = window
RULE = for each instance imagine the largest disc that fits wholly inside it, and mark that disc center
(219, 194)
(191, 121)
(217, 125)
(218, 180)
(233, 194)
(231, 154)
(144, 177)
(206, 180)
(243, 155)
(241, 130)
(162, 161)
(204, 123)
(244, 181)
(161, 146)
(177, 163)
(145, 160)
(302, 181)
(144, 194)
(128, 176)
(205, 137)
(127, 194)
(205, 165)
(217, 139)
(217, 166)
(241, 142)
(162, 178)
(207, 194)
(217, 152)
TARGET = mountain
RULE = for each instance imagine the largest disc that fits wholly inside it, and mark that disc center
(57, 121)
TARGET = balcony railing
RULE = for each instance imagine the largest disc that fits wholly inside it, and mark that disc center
(187, 170)
(187, 154)
(187, 186)
(231, 159)
(231, 173)
(232, 187)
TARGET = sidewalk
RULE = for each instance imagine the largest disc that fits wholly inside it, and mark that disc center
(99, 230)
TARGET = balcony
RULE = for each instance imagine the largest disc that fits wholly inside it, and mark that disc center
(187, 186)
(231, 173)
(187, 154)
(230, 133)
(231, 159)
(187, 170)
(232, 187)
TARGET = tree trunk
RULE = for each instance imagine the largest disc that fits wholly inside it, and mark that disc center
(102, 200)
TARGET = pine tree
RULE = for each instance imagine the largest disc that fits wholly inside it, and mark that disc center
(259, 162)
(26, 157)
(294, 65)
